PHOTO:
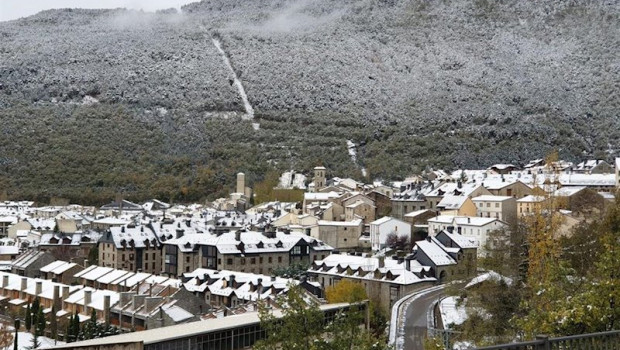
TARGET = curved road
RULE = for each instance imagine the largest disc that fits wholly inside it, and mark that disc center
(418, 315)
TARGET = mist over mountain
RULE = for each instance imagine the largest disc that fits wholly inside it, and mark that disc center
(94, 102)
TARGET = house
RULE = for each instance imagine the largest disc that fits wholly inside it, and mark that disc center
(29, 264)
(579, 199)
(232, 288)
(456, 205)
(449, 261)
(593, 166)
(60, 271)
(75, 247)
(530, 204)
(241, 250)
(477, 228)
(154, 305)
(383, 202)
(502, 168)
(70, 222)
(457, 188)
(5, 223)
(412, 197)
(380, 229)
(384, 279)
(359, 209)
(500, 207)
(121, 207)
(506, 186)
(340, 234)
(8, 252)
(131, 247)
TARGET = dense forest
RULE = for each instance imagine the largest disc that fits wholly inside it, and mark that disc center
(97, 102)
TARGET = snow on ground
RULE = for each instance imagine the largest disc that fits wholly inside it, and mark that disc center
(24, 341)
(352, 148)
(451, 313)
(491, 275)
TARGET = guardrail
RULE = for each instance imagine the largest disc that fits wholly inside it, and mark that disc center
(593, 341)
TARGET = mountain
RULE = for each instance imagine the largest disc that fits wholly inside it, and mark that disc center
(95, 102)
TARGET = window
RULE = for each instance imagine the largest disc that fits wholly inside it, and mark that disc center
(187, 259)
(153, 256)
(153, 266)
(296, 250)
(242, 261)
(229, 261)
(488, 205)
(123, 257)
(253, 261)
(260, 259)
(270, 260)
(279, 259)
(496, 205)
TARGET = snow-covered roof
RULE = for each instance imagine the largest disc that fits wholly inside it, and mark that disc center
(452, 202)
(435, 252)
(58, 267)
(487, 198)
(531, 199)
(320, 196)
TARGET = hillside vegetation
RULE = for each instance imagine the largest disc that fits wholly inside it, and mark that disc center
(95, 102)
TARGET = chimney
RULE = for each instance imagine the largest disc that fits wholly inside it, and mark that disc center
(231, 281)
(5, 281)
(381, 262)
(38, 288)
(469, 220)
(459, 184)
(408, 264)
(238, 235)
(450, 229)
(56, 297)
(137, 300)
(150, 303)
(24, 284)
(273, 278)
(88, 298)
(106, 309)
(150, 289)
(65, 292)
(125, 298)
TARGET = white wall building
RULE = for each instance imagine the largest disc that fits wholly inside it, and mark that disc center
(380, 229)
(469, 226)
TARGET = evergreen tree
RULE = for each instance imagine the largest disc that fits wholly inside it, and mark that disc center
(28, 318)
(40, 325)
(54, 323)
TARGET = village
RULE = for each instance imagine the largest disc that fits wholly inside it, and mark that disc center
(160, 272)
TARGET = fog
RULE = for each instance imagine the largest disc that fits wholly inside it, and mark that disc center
(14, 9)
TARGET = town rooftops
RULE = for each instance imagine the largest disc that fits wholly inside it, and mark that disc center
(154, 336)
(451, 202)
(57, 267)
(433, 249)
(486, 198)
(531, 199)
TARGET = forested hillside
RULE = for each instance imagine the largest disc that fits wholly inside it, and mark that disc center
(94, 102)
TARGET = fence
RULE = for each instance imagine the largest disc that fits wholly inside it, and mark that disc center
(594, 341)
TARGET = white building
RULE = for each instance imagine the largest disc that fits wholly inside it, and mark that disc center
(499, 207)
(475, 227)
(380, 229)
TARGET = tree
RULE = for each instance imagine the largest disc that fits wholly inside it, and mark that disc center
(54, 323)
(397, 242)
(28, 318)
(41, 322)
(93, 256)
(345, 291)
(300, 326)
